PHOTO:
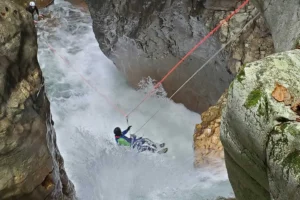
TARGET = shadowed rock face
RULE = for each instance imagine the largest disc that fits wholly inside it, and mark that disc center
(147, 38)
(31, 166)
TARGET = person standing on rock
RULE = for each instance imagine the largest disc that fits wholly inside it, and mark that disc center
(31, 8)
(141, 144)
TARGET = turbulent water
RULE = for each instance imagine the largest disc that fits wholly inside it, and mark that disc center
(76, 75)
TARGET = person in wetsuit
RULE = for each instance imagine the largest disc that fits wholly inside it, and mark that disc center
(141, 144)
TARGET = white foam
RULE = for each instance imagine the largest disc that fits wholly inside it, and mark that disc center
(84, 123)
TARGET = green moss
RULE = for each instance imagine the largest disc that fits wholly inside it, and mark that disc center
(283, 126)
(231, 85)
(292, 161)
(241, 75)
(289, 128)
(253, 98)
(293, 130)
(261, 110)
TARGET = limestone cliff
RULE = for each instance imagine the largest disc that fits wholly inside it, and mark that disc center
(31, 166)
(260, 129)
(254, 43)
(283, 19)
(147, 38)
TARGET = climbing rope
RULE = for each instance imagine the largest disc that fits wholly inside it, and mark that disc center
(189, 53)
(166, 76)
(205, 64)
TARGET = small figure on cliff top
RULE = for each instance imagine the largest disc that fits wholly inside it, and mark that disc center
(31, 8)
(141, 144)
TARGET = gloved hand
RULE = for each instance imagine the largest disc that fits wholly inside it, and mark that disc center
(129, 127)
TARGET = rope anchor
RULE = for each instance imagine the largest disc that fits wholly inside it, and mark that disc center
(127, 120)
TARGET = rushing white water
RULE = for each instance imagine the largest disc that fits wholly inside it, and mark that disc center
(84, 122)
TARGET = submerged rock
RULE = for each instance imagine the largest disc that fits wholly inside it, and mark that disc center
(260, 131)
(31, 166)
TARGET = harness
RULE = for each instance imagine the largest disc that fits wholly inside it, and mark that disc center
(122, 141)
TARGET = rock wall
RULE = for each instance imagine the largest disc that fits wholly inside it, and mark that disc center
(254, 43)
(283, 19)
(260, 129)
(39, 3)
(207, 144)
(31, 166)
(147, 38)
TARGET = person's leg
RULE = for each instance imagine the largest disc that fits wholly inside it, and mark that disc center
(137, 143)
(146, 148)
(150, 142)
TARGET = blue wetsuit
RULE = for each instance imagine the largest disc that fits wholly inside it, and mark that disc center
(136, 143)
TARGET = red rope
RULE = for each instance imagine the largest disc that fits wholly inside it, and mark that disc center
(87, 82)
(166, 76)
(189, 53)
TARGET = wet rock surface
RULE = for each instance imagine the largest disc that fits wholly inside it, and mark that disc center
(31, 166)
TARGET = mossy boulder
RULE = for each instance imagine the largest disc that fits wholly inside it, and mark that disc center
(260, 135)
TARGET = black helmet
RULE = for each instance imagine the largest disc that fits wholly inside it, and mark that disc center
(117, 131)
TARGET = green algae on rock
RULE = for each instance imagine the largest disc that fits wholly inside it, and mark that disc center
(261, 135)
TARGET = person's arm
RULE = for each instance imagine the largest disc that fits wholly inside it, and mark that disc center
(37, 10)
(126, 131)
